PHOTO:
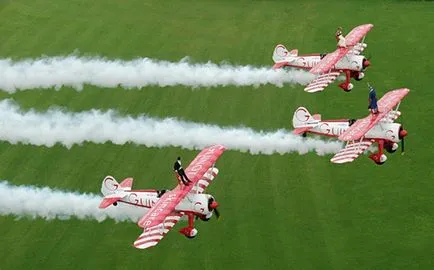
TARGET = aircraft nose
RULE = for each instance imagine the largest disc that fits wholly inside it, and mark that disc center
(214, 205)
(402, 133)
(366, 63)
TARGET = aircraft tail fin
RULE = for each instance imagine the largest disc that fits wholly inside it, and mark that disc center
(281, 54)
(302, 120)
(113, 191)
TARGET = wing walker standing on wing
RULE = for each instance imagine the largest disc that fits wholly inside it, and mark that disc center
(342, 43)
(378, 127)
(180, 173)
(346, 59)
(162, 210)
(373, 107)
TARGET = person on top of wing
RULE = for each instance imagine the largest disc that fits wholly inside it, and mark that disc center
(180, 171)
(340, 38)
(373, 107)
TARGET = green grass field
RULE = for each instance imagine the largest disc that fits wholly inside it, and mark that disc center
(287, 211)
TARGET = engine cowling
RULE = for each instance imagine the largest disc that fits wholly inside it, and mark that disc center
(352, 62)
(198, 204)
(386, 131)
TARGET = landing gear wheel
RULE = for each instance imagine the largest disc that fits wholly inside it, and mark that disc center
(205, 219)
(189, 232)
(391, 147)
(346, 86)
(378, 159)
(359, 76)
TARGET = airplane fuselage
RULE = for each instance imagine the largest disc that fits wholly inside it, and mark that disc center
(192, 203)
(349, 62)
(381, 131)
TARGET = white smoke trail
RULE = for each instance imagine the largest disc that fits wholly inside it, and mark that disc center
(55, 126)
(73, 71)
(47, 203)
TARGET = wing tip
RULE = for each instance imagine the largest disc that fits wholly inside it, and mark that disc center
(145, 246)
(341, 161)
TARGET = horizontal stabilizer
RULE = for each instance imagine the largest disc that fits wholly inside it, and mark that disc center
(299, 131)
(111, 199)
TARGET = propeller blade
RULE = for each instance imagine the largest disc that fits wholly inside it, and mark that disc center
(402, 146)
(402, 134)
(217, 213)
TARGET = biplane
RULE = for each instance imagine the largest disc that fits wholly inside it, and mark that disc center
(328, 67)
(360, 134)
(166, 207)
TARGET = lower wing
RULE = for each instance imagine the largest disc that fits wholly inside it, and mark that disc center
(350, 152)
(153, 235)
(321, 82)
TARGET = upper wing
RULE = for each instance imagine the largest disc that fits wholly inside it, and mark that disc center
(201, 164)
(357, 34)
(351, 40)
(391, 99)
(351, 152)
(205, 180)
(152, 235)
(321, 82)
(161, 210)
(359, 128)
(327, 63)
(385, 105)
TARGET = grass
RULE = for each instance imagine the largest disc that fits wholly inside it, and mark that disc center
(279, 212)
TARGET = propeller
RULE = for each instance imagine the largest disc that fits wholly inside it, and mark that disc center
(402, 134)
(402, 146)
(212, 206)
(366, 62)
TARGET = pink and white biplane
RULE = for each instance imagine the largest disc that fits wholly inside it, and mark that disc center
(166, 207)
(328, 67)
(360, 134)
